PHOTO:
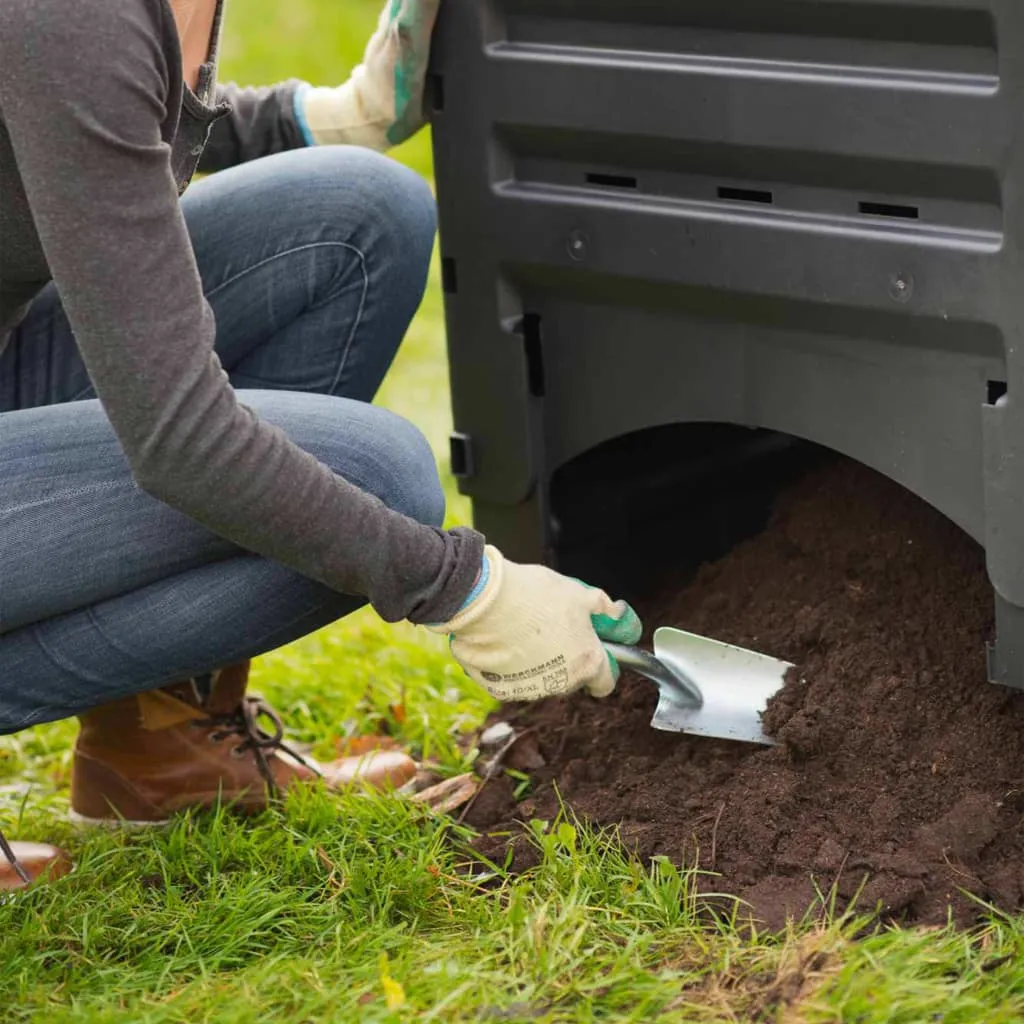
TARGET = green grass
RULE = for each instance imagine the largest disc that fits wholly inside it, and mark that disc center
(354, 908)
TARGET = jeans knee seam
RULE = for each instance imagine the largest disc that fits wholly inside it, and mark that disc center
(43, 713)
(303, 248)
(90, 614)
(40, 712)
(277, 256)
(77, 492)
(356, 322)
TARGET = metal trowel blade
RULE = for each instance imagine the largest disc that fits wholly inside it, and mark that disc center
(735, 684)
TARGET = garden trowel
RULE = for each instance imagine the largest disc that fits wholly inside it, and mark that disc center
(706, 687)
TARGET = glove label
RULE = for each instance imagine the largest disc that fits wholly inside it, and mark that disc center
(554, 679)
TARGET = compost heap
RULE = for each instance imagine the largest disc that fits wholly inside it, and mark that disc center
(899, 779)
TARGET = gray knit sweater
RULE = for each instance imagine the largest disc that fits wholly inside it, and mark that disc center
(98, 137)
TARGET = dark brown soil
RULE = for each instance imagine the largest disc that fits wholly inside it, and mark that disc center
(899, 778)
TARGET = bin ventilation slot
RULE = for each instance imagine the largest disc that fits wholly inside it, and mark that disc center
(745, 195)
(996, 390)
(460, 450)
(531, 329)
(611, 180)
(890, 210)
(435, 91)
(449, 279)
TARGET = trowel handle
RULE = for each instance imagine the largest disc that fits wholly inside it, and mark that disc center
(683, 690)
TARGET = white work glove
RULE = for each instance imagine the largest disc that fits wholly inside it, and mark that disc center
(381, 105)
(527, 632)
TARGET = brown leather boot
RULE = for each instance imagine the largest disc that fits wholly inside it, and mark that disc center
(191, 745)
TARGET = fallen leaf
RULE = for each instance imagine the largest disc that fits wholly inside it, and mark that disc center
(378, 769)
(448, 795)
(356, 746)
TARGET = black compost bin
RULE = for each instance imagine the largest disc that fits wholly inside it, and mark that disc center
(773, 218)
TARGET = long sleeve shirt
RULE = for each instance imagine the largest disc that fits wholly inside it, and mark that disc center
(99, 136)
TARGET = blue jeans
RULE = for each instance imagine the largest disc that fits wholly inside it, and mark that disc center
(314, 262)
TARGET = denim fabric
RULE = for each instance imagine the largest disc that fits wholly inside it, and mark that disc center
(105, 591)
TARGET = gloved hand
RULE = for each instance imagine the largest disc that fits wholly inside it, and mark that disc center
(381, 104)
(527, 632)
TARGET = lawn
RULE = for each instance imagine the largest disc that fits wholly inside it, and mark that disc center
(344, 909)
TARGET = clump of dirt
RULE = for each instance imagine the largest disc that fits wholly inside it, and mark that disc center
(899, 774)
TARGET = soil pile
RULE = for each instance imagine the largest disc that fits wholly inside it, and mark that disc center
(899, 778)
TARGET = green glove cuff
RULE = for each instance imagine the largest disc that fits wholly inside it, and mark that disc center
(413, 23)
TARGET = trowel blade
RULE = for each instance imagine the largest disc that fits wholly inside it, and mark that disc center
(736, 685)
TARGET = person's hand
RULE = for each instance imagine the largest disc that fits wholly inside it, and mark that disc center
(526, 632)
(381, 105)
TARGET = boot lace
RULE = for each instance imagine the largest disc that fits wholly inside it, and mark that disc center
(5, 848)
(244, 721)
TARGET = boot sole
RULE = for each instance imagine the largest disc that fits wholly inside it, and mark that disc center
(81, 821)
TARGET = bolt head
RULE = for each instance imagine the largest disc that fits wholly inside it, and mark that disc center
(577, 244)
(901, 287)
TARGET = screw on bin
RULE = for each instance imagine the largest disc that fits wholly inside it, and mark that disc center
(577, 245)
(901, 287)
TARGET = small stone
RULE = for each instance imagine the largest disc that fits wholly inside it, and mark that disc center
(525, 756)
(830, 856)
(496, 736)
